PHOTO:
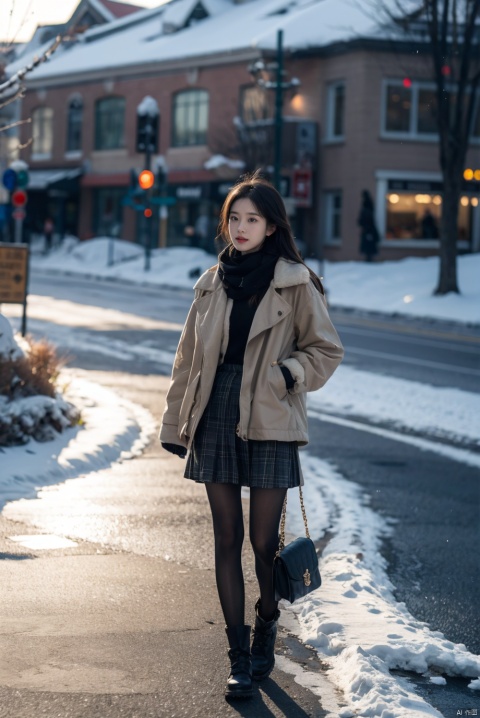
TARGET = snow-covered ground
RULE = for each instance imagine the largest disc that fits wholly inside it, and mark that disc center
(354, 621)
(114, 429)
(403, 287)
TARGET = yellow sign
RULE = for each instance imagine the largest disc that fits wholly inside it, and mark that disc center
(13, 273)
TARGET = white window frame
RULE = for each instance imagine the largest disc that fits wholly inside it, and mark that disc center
(330, 137)
(328, 206)
(412, 135)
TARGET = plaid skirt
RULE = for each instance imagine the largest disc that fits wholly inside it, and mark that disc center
(219, 456)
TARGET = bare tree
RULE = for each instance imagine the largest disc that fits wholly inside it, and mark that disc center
(452, 29)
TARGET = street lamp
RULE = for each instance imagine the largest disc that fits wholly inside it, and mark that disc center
(262, 74)
(148, 116)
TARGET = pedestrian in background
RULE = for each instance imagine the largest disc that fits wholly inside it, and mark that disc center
(48, 228)
(369, 236)
(257, 338)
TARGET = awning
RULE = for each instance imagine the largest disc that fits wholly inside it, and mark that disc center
(42, 179)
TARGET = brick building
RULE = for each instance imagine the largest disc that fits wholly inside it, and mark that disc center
(361, 118)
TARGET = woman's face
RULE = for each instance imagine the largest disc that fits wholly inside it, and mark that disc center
(247, 228)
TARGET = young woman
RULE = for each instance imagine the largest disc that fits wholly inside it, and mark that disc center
(257, 338)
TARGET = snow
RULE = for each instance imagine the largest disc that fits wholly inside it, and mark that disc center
(403, 288)
(353, 621)
(231, 28)
(219, 161)
(114, 429)
(9, 348)
(169, 267)
(406, 287)
(436, 411)
(148, 106)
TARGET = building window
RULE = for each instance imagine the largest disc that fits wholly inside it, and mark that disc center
(110, 123)
(42, 132)
(427, 116)
(417, 215)
(253, 104)
(336, 111)
(333, 217)
(410, 111)
(108, 211)
(190, 118)
(74, 125)
(399, 108)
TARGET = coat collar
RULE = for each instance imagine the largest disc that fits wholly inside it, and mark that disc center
(287, 274)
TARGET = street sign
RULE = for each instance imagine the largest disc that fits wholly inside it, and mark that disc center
(13, 273)
(302, 187)
(9, 179)
(19, 198)
(18, 214)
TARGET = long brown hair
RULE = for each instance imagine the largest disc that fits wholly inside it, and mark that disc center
(270, 206)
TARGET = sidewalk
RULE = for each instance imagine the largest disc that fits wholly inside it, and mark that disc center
(129, 626)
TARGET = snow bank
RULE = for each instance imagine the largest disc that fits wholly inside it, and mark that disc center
(113, 429)
(171, 267)
(401, 288)
(353, 621)
(436, 411)
(405, 287)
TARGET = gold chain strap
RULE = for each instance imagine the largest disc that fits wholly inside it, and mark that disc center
(281, 537)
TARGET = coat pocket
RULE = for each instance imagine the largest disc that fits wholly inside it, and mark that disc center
(188, 400)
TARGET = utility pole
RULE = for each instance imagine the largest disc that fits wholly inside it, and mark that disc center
(277, 163)
(262, 73)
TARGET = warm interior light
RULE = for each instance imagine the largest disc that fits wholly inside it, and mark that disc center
(464, 201)
(393, 198)
(476, 174)
(474, 201)
(437, 199)
(468, 174)
(298, 102)
(423, 198)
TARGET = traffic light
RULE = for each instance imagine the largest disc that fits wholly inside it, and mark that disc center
(146, 179)
(147, 133)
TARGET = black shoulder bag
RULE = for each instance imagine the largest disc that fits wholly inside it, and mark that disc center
(295, 567)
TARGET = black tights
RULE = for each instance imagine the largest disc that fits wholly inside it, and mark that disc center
(265, 511)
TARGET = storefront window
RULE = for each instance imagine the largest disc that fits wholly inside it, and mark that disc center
(108, 211)
(399, 105)
(417, 216)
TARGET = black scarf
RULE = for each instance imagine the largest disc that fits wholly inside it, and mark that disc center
(244, 275)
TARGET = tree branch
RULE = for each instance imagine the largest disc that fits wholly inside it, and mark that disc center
(20, 74)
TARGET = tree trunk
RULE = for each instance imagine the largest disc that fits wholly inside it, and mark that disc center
(447, 281)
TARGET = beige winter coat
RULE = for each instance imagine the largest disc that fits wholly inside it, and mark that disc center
(291, 327)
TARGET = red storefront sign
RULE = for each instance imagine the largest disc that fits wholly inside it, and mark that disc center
(302, 187)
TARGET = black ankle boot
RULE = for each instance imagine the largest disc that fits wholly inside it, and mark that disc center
(239, 683)
(263, 646)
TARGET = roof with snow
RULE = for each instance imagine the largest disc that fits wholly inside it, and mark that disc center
(182, 30)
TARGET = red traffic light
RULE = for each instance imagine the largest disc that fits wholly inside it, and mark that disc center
(19, 198)
(146, 179)
(147, 212)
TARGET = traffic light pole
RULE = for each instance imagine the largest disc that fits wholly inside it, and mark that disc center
(147, 225)
(278, 112)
